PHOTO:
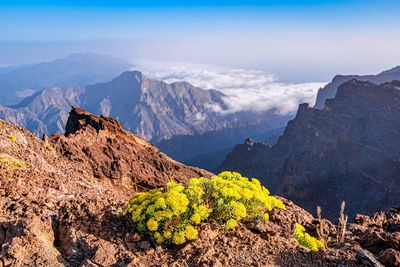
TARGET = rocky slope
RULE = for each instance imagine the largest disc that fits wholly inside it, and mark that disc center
(62, 204)
(76, 69)
(329, 91)
(343, 152)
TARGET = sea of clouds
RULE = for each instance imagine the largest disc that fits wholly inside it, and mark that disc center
(245, 89)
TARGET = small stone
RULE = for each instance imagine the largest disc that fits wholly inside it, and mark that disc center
(131, 245)
(216, 263)
(390, 257)
(150, 251)
(88, 263)
(105, 255)
(144, 245)
(136, 237)
(368, 259)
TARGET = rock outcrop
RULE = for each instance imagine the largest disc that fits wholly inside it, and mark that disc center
(347, 151)
(106, 151)
(379, 234)
(329, 90)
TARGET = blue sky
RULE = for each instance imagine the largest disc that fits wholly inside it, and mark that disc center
(296, 40)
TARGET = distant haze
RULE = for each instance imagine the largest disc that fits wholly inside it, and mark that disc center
(298, 41)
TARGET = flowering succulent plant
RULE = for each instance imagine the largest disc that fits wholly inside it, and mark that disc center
(306, 240)
(172, 215)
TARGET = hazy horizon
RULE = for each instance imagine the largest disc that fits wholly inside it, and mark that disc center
(297, 41)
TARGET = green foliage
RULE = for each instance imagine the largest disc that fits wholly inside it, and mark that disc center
(172, 215)
(305, 239)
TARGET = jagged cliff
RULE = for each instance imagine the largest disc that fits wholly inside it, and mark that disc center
(347, 151)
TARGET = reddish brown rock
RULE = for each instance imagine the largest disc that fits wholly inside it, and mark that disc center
(379, 234)
(390, 257)
(106, 151)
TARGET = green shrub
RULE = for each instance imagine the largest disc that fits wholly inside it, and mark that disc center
(172, 215)
(305, 239)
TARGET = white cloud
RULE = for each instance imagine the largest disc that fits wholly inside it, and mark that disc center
(246, 89)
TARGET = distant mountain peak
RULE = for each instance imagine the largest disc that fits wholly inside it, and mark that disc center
(329, 91)
(74, 70)
(394, 70)
(128, 76)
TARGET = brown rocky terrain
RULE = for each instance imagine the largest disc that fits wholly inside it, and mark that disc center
(62, 204)
(347, 151)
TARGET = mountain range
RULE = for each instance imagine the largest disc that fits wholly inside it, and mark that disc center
(191, 124)
(346, 151)
(17, 82)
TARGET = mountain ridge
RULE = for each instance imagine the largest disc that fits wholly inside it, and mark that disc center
(329, 90)
(73, 70)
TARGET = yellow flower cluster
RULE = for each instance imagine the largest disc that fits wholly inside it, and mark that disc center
(305, 239)
(239, 198)
(170, 215)
(231, 223)
(12, 137)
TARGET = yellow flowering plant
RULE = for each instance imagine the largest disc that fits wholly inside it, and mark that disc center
(305, 239)
(12, 137)
(172, 214)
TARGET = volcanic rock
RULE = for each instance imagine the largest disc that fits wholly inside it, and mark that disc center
(65, 207)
